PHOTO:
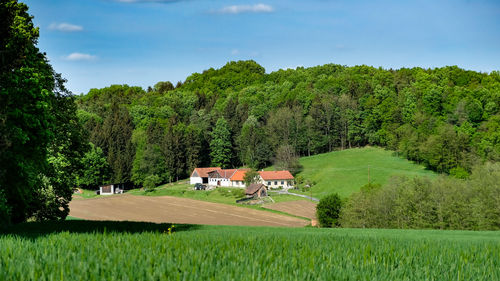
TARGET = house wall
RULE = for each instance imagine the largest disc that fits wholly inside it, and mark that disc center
(240, 184)
(223, 182)
(195, 180)
(273, 184)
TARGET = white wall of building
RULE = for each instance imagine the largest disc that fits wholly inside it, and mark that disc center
(195, 180)
(273, 184)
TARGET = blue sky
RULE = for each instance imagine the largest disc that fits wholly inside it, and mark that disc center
(96, 43)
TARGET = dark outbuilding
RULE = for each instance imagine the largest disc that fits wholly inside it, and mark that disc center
(256, 190)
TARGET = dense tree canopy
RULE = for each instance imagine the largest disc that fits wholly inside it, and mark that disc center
(445, 118)
(38, 165)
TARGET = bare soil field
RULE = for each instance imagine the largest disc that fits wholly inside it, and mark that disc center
(301, 208)
(163, 209)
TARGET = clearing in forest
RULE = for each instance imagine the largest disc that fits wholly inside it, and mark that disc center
(346, 171)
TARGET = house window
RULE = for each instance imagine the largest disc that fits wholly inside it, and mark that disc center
(282, 182)
(268, 183)
(275, 183)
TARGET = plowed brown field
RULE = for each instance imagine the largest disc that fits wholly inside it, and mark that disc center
(301, 208)
(175, 210)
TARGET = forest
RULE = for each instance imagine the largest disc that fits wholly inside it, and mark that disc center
(51, 141)
(445, 118)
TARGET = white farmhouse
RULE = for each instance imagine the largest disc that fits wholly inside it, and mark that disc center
(200, 175)
(277, 179)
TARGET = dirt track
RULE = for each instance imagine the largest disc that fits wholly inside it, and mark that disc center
(302, 208)
(175, 210)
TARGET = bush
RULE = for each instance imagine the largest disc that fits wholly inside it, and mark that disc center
(151, 182)
(328, 210)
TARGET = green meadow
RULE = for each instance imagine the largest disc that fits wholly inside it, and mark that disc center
(85, 250)
(346, 171)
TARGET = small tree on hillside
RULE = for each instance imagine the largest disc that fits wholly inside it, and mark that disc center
(286, 159)
(328, 210)
(151, 182)
(250, 177)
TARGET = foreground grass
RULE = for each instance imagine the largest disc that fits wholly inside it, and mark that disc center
(346, 171)
(84, 250)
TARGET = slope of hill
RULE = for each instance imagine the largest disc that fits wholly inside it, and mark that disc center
(347, 170)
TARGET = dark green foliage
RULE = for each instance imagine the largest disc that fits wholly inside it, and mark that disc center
(445, 203)
(115, 141)
(220, 146)
(40, 137)
(328, 210)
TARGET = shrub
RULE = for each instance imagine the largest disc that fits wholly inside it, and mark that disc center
(151, 182)
(328, 210)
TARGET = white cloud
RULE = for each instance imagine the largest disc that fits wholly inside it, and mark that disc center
(79, 57)
(235, 52)
(66, 27)
(238, 9)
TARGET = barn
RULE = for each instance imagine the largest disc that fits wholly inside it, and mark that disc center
(200, 175)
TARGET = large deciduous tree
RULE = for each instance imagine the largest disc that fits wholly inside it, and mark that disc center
(33, 105)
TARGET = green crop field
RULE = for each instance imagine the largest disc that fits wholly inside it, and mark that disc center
(85, 250)
(346, 171)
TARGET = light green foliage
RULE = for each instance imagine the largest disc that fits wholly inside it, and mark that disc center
(150, 182)
(445, 203)
(95, 169)
(76, 250)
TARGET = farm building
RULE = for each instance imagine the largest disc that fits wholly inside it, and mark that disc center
(256, 190)
(238, 178)
(277, 179)
(200, 175)
(215, 176)
(111, 189)
(221, 177)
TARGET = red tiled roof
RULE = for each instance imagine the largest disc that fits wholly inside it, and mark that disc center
(239, 175)
(203, 172)
(225, 173)
(276, 175)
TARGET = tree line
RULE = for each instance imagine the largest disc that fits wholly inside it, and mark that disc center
(445, 118)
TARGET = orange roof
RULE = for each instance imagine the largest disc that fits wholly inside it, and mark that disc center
(225, 173)
(203, 172)
(239, 175)
(276, 175)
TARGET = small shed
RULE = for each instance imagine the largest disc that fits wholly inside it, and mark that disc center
(256, 190)
(110, 189)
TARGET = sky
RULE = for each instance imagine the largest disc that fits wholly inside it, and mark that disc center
(97, 43)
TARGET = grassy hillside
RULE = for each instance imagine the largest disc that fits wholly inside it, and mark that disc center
(346, 171)
(85, 250)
